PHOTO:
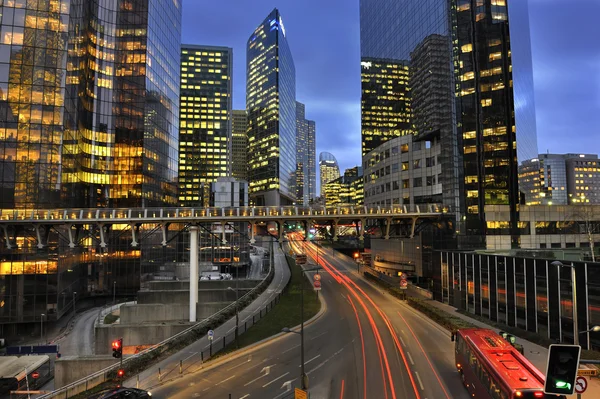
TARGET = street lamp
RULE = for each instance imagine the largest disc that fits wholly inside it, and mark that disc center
(558, 264)
(114, 291)
(303, 376)
(42, 327)
(593, 329)
(237, 315)
(74, 303)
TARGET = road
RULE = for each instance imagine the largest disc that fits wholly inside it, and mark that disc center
(80, 341)
(190, 356)
(366, 345)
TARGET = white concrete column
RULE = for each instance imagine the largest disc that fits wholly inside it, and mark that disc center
(193, 271)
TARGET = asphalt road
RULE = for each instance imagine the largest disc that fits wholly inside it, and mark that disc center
(366, 345)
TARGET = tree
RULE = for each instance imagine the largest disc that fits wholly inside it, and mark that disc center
(588, 218)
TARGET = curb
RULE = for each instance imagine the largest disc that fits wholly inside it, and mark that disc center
(251, 348)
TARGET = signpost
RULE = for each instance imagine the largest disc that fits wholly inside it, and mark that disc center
(580, 386)
(317, 282)
(300, 394)
(35, 375)
(403, 282)
(211, 335)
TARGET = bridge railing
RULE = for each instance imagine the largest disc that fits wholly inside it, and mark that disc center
(210, 212)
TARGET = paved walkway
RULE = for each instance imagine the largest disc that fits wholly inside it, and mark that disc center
(190, 356)
(538, 355)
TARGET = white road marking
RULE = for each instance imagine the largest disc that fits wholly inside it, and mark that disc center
(192, 355)
(245, 396)
(410, 358)
(287, 350)
(278, 378)
(401, 340)
(420, 382)
(325, 361)
(227, 379)
(308, 361)
(241, 364)
(320, 335)
(205, 389)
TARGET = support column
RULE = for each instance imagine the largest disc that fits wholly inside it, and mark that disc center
(387, 228)
(335, 230)
(280, 223)
(193, 272)
(363, 224)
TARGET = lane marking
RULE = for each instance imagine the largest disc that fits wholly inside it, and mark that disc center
(205, 389)
(278, 378)
(256, 379)
(410, 358)
(287, 350)
(320, 335)
(192, 355)
(241, 364)
(326, 360)
(227, 379)
(420, 382)
(305, 363)
(401, 340)
(245, 396)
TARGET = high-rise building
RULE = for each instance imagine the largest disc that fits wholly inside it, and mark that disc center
(560, 179)
(305, 156)
(328, 168)
(271, 107)
(239, 145)
(205, 121)
(385, 101)
(347, 189)
(471, 86)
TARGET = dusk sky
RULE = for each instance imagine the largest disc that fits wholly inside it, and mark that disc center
(324, 36)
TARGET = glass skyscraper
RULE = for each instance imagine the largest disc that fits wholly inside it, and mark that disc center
(305, 158)
(239, 145)
(89, 103)
(329, 170)
(204, 121)
(271, 108)
(466, 90)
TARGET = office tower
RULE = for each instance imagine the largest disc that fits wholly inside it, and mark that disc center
(271, 107)
(305, 156)
(311, 162)
(347, 189)
(121, 134)
(239, 145)
(328, 168)
(204, 120)
(561, 179)
(385, 102)
(470, 85)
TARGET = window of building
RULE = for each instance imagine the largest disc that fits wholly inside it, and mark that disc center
(395, 185)
(416, 164)
(430, 181)
(387, 170)
(388, 187)
(395, 150)
(430, 162)
(406, 183)
(404, 148)
(418, 182)
(404, 165)
(395, 168)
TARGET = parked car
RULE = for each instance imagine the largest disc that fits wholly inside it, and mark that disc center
(125, 393)
(216, 277)
(226, 276)
(204, 278)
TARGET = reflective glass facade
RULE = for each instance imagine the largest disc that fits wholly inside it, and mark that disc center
(120, 148)
(329, 170)
(305, 156)
(460, 67)
(271, 107)
(239, 145)
(311, 161)
(205, 121)
(89, 102)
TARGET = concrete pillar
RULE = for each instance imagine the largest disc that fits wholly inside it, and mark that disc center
(193, 271)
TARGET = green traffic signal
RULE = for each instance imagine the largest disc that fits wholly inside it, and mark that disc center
(562, 385)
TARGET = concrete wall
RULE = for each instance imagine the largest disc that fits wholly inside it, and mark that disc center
(204, 285)
(134, 335)
(69, 369)
(157, 312)
(182, 296)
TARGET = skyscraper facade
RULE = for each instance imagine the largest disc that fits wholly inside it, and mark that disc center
(305, 156)
(120, 137)
(329, 170)
(205, 121)
(271, 108)
(312, 160)
(465, 89)
(239, 145)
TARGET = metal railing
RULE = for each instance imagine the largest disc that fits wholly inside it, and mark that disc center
(243, 213)
(175, 342)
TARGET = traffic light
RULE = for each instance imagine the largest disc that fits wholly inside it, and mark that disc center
(117, 348)
(561, 371)
(120, 373)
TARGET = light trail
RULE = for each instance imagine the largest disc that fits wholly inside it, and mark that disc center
(362, 342)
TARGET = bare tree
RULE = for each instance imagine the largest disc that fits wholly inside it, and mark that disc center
(588, 218)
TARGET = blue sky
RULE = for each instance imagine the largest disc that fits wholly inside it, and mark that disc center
(324, 36)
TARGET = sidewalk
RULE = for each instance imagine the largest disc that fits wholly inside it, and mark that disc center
(538, 355)
(190, 358)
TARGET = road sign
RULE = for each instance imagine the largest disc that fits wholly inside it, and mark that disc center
(317, 277)
(403, 284)
(403, 277)
(211, 335)
(588, 372)
(35, 374)
(300, 394)
(580, 384)
(317, 285)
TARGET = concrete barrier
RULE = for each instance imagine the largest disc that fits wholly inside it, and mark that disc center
(135, 335)
(69, 369)
(203, 285)
(157, 312)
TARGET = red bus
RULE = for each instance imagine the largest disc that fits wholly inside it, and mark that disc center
(491, 367)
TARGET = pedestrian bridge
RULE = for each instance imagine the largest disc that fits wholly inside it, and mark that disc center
(43, 220)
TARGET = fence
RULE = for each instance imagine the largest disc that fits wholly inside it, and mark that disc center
(140, 361)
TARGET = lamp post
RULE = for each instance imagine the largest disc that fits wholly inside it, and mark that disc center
(42, 327)
(74, 302)
(303, 376)
(114, 292)
(558, 264)
(237, 315)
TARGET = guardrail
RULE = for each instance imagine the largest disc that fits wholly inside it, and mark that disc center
(174, 343)
(109, 309)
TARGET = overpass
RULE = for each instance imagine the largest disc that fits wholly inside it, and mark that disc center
(75, 220)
